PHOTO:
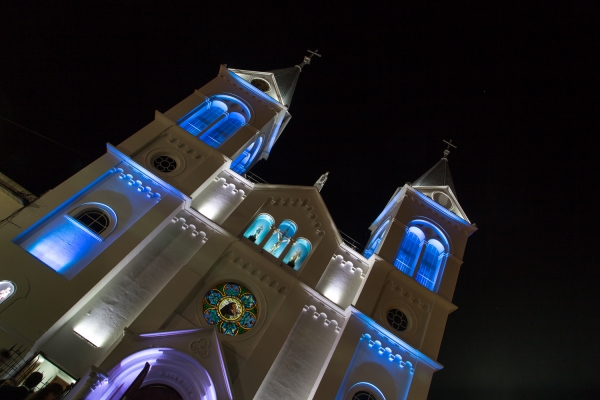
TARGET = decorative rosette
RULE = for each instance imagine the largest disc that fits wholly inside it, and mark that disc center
(231, 307)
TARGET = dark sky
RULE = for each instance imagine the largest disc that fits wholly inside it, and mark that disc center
(515, 87)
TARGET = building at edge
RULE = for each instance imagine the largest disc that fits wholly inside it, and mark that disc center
(162, 254)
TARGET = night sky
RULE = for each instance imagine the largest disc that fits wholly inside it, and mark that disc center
(515, 88)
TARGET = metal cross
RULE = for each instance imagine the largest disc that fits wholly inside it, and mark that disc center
(450, 144)
(312, 53)
(447, 151)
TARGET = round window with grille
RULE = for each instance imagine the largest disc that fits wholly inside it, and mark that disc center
(397, 319)
(363, 395)
(164, 163)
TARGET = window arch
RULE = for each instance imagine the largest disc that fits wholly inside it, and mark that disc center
(259, 228)
(376, 240)
(422, 253)
(364, 391)
(297, 253)
(97, 219)
(243, 161)
(281, 237)
(216, 120)
(7, 289)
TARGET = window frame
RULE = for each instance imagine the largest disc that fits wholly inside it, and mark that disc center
(76, 212)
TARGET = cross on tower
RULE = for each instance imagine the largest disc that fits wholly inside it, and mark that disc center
(312, 53)
(447, 151)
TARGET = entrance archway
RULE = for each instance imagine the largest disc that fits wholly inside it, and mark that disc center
(157, 392)
(169, 368)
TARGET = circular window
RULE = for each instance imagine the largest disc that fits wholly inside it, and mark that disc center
(7, 289)
(260, 84)
(94, 219)
(443, 200)
(397, 319)
(363, 395)
(231, 307)
(164, 163)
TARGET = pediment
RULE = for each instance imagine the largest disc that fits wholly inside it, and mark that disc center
(444, 196)
(271, 90)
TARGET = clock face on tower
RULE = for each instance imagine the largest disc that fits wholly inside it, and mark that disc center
(260, 84)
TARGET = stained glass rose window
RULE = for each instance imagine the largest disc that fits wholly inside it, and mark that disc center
(231, 307)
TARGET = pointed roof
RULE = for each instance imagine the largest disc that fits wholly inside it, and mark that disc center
(287, 78)
(438, 175)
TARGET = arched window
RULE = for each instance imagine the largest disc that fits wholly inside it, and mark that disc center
(223, 130)
(7, 289)
(376, 240)
(422, 253)
(243, 161)
(297, 253)
(430, 265)
(281, 237)
(199, 119)
(96, 219)
(409, 250)
(216, 120)
(259, 228)
(364, 391)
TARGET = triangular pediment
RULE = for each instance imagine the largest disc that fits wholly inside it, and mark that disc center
(262, 82)
(444, 196)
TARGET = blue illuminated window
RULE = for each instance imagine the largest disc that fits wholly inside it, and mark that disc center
(280, 238)
(430, 265)
(297, 253)
(409, 250)
(422, 253)
(223, 130)
(243, 161)
(217, 119)
(259, 228)
(200, 119)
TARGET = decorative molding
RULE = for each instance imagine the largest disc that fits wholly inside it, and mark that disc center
(261, 277)
(200, 347)
(322, 316)
(408, 295)
(182, 382)
(136, 183)
(387, 352)
(183, 147)
(195, 232)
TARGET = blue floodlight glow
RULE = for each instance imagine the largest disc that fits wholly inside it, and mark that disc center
(280, 238)
(216, 120)
(243, 161)
(433, 255)
(376, 240)
(297, 253)
(432, 259)
(63, 246)
(259, 228)
(223, 130)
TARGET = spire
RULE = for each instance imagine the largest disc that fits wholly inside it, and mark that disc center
(321, 182)
(439, 174)
(287, 78)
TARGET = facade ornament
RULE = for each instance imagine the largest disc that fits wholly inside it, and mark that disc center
(321, 182)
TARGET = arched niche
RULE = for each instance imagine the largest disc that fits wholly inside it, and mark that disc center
(169, 367)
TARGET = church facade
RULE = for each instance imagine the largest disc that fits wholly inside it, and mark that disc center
(161, 253)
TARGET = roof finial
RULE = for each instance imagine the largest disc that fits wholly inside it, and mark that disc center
(447, 151)
(308, 58)
(321, 182)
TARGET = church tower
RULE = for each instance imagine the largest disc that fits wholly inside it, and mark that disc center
(161, 270)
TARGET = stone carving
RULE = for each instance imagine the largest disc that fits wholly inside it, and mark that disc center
(200, 347)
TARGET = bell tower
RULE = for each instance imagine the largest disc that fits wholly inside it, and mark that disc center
(416, 247)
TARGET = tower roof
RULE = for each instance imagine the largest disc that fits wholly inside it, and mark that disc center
(287, 78)
(439, 174)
